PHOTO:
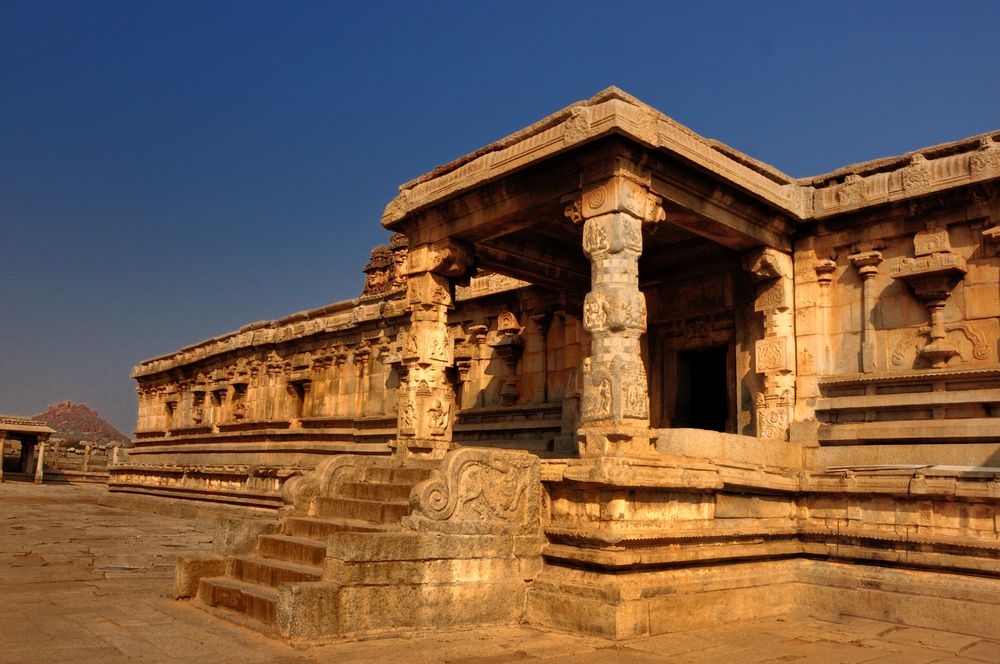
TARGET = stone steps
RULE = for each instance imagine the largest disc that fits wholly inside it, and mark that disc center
(300, 550)
(409, 475)
(271, 572)
(356, 509)
(319, 529)
(375, 491)
(373, 503)
(254, 601)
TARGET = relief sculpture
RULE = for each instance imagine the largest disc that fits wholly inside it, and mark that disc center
(479, 491)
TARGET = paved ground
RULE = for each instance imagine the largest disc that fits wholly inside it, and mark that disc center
(83, 583)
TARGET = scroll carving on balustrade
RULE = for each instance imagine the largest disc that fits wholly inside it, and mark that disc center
(479, 492)
(299, 491)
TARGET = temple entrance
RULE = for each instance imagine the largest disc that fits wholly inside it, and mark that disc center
(703, 389)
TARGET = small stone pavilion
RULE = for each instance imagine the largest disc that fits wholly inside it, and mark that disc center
(613, 377)
(26, 437)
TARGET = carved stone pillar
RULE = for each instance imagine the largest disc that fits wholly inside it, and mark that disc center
(508, 345)
(774, 354)
(542, 321)
(824, 277)
(866, 263)
(40, 460)
(614, 390)
(427, 398)
(361, 374)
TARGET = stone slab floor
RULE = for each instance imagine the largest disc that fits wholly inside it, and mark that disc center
(83, 583)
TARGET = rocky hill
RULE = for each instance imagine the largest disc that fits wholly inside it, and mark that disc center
(77, 421)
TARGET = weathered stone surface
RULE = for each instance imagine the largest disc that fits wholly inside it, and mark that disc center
(479, 491)
(656, 355)
(105, 605)
(191, 569)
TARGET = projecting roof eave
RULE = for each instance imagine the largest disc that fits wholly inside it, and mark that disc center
(611, 111)
(924, 171)
(13, 424)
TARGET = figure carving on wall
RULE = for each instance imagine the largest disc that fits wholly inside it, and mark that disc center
(595, 237)
(406, 421)
(412, 344)
(595, 313)
(635, 401)
(438, 417)
(438, 351)
(604, 398)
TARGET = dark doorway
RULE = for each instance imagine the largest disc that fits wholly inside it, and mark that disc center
(703, 389)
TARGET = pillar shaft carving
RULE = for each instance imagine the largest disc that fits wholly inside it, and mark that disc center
(614, 387)
(866, 263)
(426, 396)
(774, 354)
(825, 269)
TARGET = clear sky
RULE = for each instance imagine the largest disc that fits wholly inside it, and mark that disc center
(170, 171)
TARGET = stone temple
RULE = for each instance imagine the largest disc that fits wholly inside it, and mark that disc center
(611, 377)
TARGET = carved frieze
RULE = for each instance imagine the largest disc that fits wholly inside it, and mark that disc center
(852, 192)
(917, 176)
(986, 160)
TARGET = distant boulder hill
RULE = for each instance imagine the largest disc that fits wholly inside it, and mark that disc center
(77, 421)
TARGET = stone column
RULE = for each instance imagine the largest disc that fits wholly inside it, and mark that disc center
(40, 461)
(427, 398)
(614, 387)
(866, 263)
(361, 356)
(3, 448)
(824, 277)
(774, 354)
(86, 458)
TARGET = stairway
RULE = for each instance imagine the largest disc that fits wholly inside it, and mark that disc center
(374, 501)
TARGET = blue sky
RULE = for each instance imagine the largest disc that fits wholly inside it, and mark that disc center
(170, 171)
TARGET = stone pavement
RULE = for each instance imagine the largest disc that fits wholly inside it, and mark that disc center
(83, 583)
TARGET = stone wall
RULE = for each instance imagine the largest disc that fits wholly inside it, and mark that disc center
(230, 419)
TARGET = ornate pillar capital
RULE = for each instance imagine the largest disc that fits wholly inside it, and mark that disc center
(618, 193)
(448, 258)
(866, 263)
(824, 268)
